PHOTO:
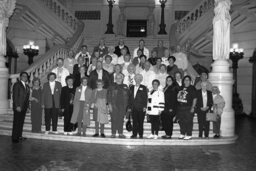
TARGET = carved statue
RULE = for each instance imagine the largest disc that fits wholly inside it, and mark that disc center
(221, 30)
(121, 23)
(151, 22)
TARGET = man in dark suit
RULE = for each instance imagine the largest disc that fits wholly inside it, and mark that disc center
(204, 105)
(120, 46)
(51, 102)
(137, 104)
(20, 104)
(99, 74)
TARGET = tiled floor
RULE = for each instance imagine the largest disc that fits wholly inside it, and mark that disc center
(55, 155)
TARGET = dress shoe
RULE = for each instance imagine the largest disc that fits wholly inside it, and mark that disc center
(22, 138)
(103, 135)
(121, 136)
(15, 141)
(166, 137)
(216, 136)
(96, 135)
(141, 137)
(113, 136)
(133, 137)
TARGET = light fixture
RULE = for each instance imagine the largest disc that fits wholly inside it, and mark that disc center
(235, 55)
(162, 24)
(110, 25)
(162, 1)
(30, 50)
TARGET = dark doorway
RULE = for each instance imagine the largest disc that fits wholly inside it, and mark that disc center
(136, 28)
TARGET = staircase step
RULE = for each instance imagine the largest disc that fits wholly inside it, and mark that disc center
(128, 142)
(146, 124)
(91, 129)
(10, 117)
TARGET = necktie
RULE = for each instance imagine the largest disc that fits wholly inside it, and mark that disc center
(130, 80)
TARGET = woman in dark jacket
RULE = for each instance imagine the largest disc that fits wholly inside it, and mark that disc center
(170, 95)
(66, 103)
(186, 107)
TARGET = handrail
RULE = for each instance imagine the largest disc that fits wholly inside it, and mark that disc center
(62, 12)
(194, 15)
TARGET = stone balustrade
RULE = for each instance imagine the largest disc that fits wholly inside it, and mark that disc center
(194, 15)
(62, 12)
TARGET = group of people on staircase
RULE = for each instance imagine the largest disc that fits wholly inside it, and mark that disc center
(112, 82)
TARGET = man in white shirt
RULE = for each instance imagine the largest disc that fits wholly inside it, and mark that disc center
(129, 75)
(142, 48)
(148, 75)
(61, 72)
(138, 98)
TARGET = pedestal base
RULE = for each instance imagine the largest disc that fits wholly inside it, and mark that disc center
(4, 102)
(223, 78)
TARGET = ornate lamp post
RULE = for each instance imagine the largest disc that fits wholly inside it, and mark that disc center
(253, 61)
(235, 55)
(162, 24)
(110, 25)
(30, 50)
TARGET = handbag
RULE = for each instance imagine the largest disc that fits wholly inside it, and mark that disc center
(129, 124)
(212, 117)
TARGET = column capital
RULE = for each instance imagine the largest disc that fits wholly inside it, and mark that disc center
(6, 9)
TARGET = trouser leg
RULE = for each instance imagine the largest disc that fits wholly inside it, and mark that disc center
(23, 114)
(54, 119)
(189, 123)
(16, 125)
(102, 126)
(96, 127)
(141, 122)
(167, 123)
(206, 125)
(135, 122)
(47, 119)
(120, 125)
(157, 124)
(113, 125)
(80, 117)
(216, 126)
(66, 120)
(152, 124)
(200, 123)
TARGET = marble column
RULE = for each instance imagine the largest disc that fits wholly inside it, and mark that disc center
(6, 10)
(221, 75)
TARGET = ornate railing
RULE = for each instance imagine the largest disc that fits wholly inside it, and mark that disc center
(62, 12)
(194, 15)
